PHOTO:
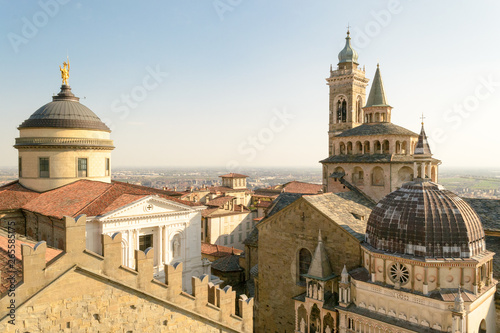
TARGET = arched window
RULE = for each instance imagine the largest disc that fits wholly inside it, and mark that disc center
(305, 258)
(367, 147)
(359, 148)
(342, 148)
(398, 147)
(344, 111)
(385, 147)
(482, 327)
(359, 111)
(377, 117)
(339, 111)
(349, 148)
(377, 147)
(378, 176)
(403, 148)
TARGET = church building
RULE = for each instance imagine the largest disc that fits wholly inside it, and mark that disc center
(65, 170)
(365, 149)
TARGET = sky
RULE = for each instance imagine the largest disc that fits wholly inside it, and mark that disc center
(241, 83)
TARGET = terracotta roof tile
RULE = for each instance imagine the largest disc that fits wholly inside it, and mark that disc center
(92, 198)
(219, 201)
(13, 196)
(233, 175)
(218, 250)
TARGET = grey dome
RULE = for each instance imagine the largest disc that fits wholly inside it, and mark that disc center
(65, 111)
(348, 54)
(425, 220)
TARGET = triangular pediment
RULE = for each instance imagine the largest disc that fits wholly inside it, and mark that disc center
(137, 205)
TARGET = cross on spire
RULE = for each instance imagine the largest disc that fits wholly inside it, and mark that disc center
(422, 118)
(348, 26)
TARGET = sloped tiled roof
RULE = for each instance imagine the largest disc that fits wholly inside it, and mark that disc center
(377, 129)
(218, 250)
(283, 200)
(348, 214)
(233, 175)
(92, 198)
(5, 268)
(13, 196)
(219, 201)
(229, 263)
(253, 237)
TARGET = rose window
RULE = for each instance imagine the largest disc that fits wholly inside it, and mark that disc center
(399, 273)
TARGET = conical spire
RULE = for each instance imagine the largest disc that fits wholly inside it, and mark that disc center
(320, 264)
(344, 276)
(377, 93)
(348, 54)
(422, 147)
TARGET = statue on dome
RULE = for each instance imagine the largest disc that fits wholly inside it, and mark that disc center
(65, 72)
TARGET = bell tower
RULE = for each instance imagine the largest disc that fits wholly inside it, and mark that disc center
(347, 93)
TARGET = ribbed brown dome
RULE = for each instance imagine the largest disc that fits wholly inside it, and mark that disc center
(425, 220)
(65, 111)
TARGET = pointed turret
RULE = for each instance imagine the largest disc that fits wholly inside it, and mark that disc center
(377, 110)
(422, 147)
(320, 264)
(377, 93)
(348, 54)
(344, 276)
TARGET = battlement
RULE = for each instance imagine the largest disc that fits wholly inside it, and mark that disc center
(208, 303)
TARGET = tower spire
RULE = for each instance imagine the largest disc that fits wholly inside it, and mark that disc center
(377, 93)
(422, 147)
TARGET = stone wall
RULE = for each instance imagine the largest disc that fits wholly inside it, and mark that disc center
(281, 238)
(14, 215)
(82, 291)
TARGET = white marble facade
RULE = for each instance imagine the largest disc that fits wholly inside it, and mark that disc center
(171, 228)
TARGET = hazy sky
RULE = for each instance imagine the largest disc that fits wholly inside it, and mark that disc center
(242, 82)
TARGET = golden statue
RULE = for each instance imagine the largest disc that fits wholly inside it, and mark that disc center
(65, 72)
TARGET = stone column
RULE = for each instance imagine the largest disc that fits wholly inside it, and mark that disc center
(166, 244)
(415, 170)
(160, 246)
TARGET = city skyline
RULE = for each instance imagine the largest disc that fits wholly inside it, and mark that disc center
(238, 85)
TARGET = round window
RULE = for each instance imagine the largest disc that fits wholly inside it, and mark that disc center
(399, 273)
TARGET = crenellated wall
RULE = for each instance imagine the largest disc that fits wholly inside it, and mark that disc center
(81, 291)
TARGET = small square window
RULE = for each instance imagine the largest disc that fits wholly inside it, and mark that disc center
(232, 239)
(145, 242)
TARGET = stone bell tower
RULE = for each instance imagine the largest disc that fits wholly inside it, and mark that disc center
(347, 93)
